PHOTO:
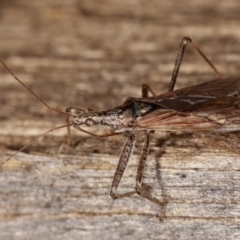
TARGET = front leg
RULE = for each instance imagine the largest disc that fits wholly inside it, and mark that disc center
(122, 163)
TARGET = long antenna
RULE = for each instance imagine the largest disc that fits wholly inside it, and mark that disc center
(35, 140)
(52, 109)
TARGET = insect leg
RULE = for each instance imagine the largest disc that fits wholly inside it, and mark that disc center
(179, 58)
(122, 163)
(145, 90)
(70, 140)
(140, 172)
(142, 163)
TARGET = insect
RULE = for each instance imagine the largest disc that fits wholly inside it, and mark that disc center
(211, 106)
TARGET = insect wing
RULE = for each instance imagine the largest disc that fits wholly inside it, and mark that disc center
(219, 114)
(216, 88)
(185, 98)
(224, 111)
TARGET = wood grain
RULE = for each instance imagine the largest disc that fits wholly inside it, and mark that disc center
(96, 54)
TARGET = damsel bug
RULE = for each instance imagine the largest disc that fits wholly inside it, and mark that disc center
(210, 106)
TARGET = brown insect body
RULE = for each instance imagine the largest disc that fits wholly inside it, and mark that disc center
(210, 106)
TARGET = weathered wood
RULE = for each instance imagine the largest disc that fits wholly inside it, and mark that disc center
(95, 54)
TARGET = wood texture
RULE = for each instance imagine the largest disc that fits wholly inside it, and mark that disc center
(95, 54)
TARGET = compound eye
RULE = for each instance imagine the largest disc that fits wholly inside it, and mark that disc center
(89, 122)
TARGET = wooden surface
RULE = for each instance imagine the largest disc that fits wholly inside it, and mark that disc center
(96, 54)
